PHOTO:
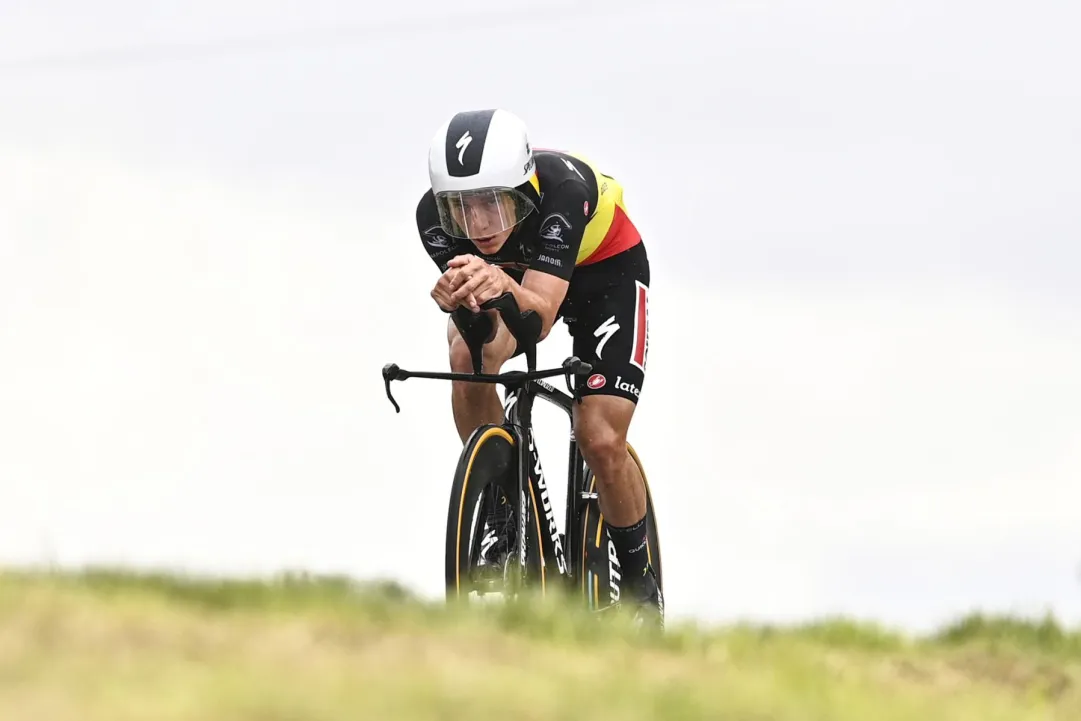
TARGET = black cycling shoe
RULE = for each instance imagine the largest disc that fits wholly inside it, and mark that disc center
(643, 600)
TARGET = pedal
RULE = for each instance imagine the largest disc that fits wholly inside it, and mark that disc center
(488, 577)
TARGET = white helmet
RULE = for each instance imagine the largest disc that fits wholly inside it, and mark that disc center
(482, 171)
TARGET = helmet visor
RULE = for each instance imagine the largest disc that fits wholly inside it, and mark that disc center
(482, 213)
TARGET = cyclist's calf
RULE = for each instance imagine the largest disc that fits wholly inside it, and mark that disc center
(600, 427)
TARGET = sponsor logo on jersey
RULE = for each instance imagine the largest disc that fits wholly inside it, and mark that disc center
(434, 237)
(554, 226)
(527, 250)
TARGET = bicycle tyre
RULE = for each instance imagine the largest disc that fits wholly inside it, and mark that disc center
(593, 555)
(488, 459)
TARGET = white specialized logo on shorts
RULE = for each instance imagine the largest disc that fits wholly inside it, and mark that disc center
(608, 328)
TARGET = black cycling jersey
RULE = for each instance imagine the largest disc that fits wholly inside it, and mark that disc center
(580, 233)
(581, 220)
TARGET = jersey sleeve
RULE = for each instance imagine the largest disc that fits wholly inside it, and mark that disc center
(564, 215)
(439, 246)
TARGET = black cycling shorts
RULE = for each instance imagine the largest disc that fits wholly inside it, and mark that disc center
(607, 314)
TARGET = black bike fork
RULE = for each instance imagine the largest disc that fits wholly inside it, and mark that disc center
(513, 421)
(552, 544)
(576, 504)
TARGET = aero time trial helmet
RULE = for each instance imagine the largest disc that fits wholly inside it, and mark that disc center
(483, 173)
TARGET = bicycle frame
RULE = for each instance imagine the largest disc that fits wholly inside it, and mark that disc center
(518, 413)
(522, 389)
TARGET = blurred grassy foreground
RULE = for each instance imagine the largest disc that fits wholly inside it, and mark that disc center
(113, 646)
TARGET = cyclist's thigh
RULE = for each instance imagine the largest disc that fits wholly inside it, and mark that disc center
(610, 324)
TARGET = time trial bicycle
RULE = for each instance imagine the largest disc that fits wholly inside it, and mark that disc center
(500, 462)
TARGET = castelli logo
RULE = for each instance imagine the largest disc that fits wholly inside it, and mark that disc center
(596, 381)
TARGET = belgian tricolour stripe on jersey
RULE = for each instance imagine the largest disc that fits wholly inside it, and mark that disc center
(610, 229)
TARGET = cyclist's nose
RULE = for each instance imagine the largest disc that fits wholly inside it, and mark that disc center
(481, 218)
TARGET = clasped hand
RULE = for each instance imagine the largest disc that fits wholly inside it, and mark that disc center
(468, 281)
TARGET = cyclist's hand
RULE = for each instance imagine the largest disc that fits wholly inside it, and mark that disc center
(444, 290)
(477, 282)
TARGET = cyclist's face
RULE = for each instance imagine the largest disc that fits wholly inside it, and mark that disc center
(483, 214)
(493, 243)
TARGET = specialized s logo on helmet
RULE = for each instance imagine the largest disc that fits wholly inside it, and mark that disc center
(530, 161)
(481, 161)
(462, 144)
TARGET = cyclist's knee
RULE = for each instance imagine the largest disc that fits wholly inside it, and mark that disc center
(461, 360)
(601, 431)
(494, 353)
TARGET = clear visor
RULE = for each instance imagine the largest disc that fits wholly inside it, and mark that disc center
(476, 214)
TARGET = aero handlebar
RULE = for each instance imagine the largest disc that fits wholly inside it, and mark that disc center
(478, 329)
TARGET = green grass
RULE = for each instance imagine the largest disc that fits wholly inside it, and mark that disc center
(111, 645)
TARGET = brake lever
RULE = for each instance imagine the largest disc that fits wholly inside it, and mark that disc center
(573, 366)
(391, 372)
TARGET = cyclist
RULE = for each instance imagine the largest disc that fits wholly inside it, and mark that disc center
(550, 228)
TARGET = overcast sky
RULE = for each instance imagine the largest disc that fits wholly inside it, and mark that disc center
(863, 220)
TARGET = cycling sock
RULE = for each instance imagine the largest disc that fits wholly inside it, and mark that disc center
(630, 543)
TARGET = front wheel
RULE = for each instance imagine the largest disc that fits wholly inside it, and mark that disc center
(482, 545)
(601, 576)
